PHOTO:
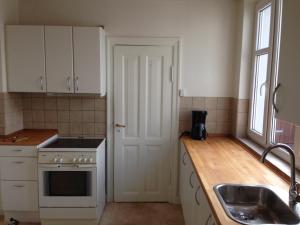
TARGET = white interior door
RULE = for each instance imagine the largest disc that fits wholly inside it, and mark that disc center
(142, 104)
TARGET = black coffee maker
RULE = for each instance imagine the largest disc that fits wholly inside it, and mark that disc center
(198, 125)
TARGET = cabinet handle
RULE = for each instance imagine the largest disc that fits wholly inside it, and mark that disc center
(69, 83)
(192, 173)
(274, 96)
(77, 83)
(196, 199)
(18, 162)
(42, 82)
(208, 219)
(19, 186)
(17, 150)
(183, 158)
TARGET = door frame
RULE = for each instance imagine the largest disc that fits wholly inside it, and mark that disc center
(175, 43)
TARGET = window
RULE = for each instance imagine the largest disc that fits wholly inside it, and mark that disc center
(264, 128)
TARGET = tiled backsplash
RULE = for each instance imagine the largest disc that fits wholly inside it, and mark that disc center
(11, 118)
(86, 115)
(71, 115)
(240, 115)
(225, 115)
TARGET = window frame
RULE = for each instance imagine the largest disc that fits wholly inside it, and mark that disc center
(262, 139)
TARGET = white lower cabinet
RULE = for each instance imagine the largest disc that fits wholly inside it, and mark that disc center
(20, 195)
(195, 207)
(19, 185)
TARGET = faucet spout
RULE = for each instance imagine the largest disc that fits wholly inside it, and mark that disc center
(293, 193)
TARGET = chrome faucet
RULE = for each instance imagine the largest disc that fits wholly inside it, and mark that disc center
(293, 192)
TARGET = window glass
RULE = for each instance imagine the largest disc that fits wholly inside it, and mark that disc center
(264, 27)
(283, 132)
(259, 98)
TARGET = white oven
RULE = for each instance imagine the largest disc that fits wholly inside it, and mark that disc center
(67, 185)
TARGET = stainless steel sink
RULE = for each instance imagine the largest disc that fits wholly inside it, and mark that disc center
(254, 205)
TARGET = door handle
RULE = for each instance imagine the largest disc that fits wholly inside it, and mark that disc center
(120, 125)
(77, 83)
(183, 158)
(274, 96)
(191, 179)
(69, 83)
(196, 199)
(42, 82)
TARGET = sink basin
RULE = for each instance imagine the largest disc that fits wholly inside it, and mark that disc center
(254, 205)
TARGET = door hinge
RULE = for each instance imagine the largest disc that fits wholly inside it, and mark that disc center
(172, 74)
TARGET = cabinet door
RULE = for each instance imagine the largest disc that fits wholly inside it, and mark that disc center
(19, 195)
(18, 168)
(289, 67)
(59, 59)
(88, 59)
(25, 58)
(201, 215)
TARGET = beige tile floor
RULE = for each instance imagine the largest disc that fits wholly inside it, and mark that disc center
(138, 214)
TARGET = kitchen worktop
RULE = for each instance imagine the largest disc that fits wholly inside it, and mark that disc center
(27, 137)
(223, 160)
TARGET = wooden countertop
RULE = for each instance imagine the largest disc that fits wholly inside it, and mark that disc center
(27, 137)
(223, 160)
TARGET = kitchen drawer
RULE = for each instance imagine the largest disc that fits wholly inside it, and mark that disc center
(18, 168)
(29, 151)
(19, 195)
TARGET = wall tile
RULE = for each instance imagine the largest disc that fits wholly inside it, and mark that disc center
(50, 103)
(100, 116)
(63, 116)
(198, 103)
(211, 103)
(100, 104)
(88, 116)
(224, 103)
(88, 104)
(38, 116)
(63, 104)
(63, 129)
(51, 116)
(75, 128)
(75, 104)
(76, 116)
(37, 103)
(186, 102)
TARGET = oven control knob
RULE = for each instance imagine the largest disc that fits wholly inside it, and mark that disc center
(79, 160)
(74, 160)
(91, 160)
(61, 160)
(55, 160)
(85, 160)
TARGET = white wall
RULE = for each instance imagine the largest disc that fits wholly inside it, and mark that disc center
(207, 28)
(244, 49)
(8, 14)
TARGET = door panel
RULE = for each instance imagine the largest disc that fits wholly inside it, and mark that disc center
(25, 56)
(87, 62)
(143, 99)
(59, 59)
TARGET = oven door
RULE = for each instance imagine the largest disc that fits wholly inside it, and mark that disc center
(67, 185)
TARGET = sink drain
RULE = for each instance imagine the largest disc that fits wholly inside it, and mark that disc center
(244, 216)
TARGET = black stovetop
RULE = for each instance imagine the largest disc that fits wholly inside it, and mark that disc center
(75, 143)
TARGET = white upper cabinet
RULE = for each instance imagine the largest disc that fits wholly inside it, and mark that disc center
(59, 59)
(287, 100)
(89, 60)
(25, 56)
(70, 59)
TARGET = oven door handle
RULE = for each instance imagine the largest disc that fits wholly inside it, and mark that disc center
(73, 166)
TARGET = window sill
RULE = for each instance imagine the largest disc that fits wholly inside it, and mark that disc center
(277, 164)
